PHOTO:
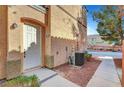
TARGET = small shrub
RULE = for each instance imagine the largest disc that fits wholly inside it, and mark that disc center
(23, 81)
(87, 56)
(35, 81)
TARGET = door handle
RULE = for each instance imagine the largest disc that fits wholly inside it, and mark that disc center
(24, 53)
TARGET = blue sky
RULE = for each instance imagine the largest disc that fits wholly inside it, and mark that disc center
(92, 25)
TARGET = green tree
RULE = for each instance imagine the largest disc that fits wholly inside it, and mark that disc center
(110, 24)
(111, 27)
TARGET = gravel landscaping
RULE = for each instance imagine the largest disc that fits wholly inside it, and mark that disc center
(79, 75)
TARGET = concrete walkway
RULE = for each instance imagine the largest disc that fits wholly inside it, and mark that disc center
(58, 81)
(105, 75)
(49, 78)
(42, 73)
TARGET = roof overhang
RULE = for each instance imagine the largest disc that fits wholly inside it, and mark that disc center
(39, 8)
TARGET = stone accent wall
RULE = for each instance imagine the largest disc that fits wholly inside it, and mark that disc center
(3, 40)
(13, 69)
(49, 61)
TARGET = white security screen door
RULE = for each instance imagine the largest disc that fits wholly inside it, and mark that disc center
(32, 47)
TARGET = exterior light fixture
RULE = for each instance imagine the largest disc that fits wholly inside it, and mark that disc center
(14, 25)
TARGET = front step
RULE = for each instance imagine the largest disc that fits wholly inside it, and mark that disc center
(43, 74)
(42, 81)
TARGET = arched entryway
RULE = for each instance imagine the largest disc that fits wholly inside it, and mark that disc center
(32, 46)
(33, 43)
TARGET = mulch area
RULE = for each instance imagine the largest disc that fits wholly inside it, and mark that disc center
(79, 75)
(118, 65)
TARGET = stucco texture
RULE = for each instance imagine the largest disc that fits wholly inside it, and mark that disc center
(15, 35)
(63, 25)
(64, 28)
(15, 13)
(61, 50)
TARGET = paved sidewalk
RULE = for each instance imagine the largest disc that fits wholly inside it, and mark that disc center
(105, 75)
(49, 78)
(58, 81)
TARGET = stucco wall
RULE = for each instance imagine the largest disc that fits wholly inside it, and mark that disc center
(14, 16)
(59, 50)
(15, 36)
(62, 24)
(83, 39)
(3, 40)
(65, 25)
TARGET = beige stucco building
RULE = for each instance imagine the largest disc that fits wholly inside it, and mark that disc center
(39, 36)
